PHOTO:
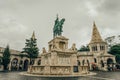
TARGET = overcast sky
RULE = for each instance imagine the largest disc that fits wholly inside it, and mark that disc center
(19, 18)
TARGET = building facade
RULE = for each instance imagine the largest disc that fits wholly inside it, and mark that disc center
(61, 60)
(97, 57)
(17, 61)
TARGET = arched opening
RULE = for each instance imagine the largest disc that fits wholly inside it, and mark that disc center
(26, 63)
(39, 62)
(95, 60)
(83, 62)
(110, 64)
(78, 62)
(0, 60)
(102, 63)
(109, 61)
(14, 64)
(94, 65)
(88, 64)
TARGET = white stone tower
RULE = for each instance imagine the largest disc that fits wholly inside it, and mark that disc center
(97, 45)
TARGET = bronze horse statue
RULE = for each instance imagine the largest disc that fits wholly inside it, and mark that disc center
(57, 30)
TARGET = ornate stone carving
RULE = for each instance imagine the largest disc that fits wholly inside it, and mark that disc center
(73, 48)
(43, 50)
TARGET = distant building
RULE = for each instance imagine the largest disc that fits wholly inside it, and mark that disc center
(18, 60)
(97, 57)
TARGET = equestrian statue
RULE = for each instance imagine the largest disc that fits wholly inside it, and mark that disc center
(57, 30)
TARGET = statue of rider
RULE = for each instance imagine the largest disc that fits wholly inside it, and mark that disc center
(57, 30)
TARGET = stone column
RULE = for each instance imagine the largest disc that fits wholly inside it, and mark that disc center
(35, 62)
(18, 64)
(90, 48)
(105, 65)
(98, 47)
(10, 65)
(106, 49)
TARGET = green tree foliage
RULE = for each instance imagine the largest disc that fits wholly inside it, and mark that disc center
(6, 58)
(31, 48)
(115, 50)
(84, 48)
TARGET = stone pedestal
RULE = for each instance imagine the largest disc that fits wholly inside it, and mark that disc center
(59, 60)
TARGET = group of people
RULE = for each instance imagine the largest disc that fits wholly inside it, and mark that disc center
(113, 67)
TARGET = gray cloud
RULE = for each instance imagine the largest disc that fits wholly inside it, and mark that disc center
(110, 7)
(19, 18)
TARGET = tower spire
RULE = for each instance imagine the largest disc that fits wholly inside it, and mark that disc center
(33, 35)
(57, 15)
(96, 37)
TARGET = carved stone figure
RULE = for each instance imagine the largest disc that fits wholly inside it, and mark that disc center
(44, 50)
(73, 48)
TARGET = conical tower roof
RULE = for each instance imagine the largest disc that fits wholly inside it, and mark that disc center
(96, 37)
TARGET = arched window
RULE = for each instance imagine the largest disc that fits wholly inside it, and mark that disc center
(94, 48)
(39, 62)
(102, 47)
(14, 64)
(78, 62)
(83, 62)
(0, 61)
(102, 63)
(26, 63)
(95, 60)
(88, 62)
(109, 61)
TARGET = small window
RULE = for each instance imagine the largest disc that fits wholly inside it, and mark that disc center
(75, 68)
(102, 47)
(94, 48)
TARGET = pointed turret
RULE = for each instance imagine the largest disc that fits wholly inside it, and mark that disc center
(33, 35)
(96, 37)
